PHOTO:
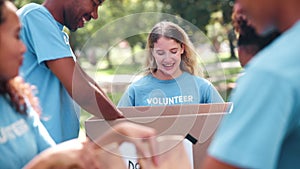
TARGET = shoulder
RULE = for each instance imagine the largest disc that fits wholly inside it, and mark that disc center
(280, 58)
(283, 49)
(143, 80)
(199, 80)
(35, 13)
(32, 7)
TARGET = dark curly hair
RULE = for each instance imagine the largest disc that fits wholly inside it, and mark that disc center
(248, 35)
(14, 95)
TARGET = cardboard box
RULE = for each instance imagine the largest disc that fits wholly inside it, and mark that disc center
(197, 122)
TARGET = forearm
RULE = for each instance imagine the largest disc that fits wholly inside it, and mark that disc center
(47, 159)
(93, 83)
(92, 98)
(66, 155)
(83, 89)
(102, 105)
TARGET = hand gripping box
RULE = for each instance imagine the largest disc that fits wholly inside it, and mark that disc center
(196, 122)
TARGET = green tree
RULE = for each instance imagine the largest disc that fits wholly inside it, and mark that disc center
(20, 3)
(213, 17)
(111, 12)
(199, 12)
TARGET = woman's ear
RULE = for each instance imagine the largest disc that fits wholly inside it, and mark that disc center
(182, 48)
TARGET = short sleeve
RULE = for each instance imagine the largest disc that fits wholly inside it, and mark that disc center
(127, 98)
(213, 95)
(261, 114)
(44, 36)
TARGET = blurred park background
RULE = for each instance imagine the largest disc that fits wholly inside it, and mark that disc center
(105, 62)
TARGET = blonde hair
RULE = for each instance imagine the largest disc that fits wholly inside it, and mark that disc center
(175, 32)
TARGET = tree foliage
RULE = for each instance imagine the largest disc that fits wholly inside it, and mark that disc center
(116, 9)
(20, 3)
(199, 12)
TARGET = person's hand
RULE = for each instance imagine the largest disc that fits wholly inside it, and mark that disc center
(139, 135)
(74, 154)
(67, 155)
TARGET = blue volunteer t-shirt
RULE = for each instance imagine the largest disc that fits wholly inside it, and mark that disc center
(186, 89)
(21, 136)
(263, 130)
(45, 40)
